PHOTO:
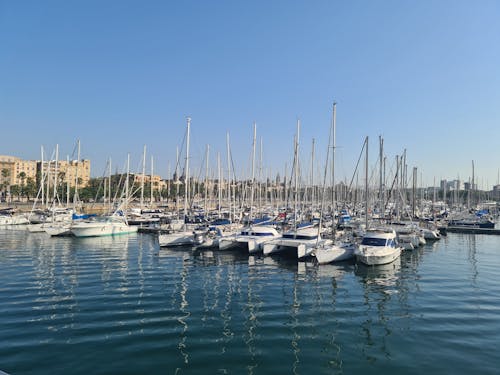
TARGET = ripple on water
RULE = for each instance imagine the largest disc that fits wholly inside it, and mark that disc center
(125, 306)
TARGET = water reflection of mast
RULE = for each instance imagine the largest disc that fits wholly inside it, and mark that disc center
(472, 248)
(251, 324)
(334, 272)
(184, 310)
(295, 324)
(210, 285)
(226, 311)
(381, 279)
(141, 281)
(52, 285)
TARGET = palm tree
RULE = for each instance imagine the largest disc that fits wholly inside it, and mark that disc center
(61, 177)
(22, 177)
(6, 180)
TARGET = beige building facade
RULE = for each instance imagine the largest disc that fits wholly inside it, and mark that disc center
(147, 179)
(15, 171)
(67, 171)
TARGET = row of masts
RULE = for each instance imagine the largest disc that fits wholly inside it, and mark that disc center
(301, 193)
(45, 182)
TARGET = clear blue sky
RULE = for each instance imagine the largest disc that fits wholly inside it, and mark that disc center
(120, 74)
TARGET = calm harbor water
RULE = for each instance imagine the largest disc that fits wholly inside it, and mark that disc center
(124, 306)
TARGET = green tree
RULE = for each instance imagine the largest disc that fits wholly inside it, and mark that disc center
(22, 177)
(31, 188)
(15, 190)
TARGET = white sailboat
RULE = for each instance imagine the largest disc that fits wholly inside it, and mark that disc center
(431, 234)
(9, 217)
(106, 225)
(252, 237)
(214, 235)
(54, 220)
(184, 237)
(335, 250)
(211, 234)
(61, 218)
(300, 239)
(59, 223)
(379, 245)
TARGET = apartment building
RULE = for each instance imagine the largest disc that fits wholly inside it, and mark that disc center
(15, 171)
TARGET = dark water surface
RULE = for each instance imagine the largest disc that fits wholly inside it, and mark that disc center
(124, 306)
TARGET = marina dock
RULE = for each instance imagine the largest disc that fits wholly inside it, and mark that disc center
(473, 230)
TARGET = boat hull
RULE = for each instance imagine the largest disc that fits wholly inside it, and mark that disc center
(374, 255)
(58, 230)
(100, 230)
(301, 247)
(178, 239)
(334, 253)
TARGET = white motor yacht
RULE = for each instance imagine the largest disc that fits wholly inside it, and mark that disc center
(111, 225)
(378, 246)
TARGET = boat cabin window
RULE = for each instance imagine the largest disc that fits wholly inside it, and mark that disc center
(370, 241)
(299, 236)
(259, 234)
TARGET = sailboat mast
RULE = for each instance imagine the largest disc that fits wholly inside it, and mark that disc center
(54, 195)
(105, 192)
(109, 182)
(334, 146)
(312, 172)
(42, 184)
(381, 181)
(205, 205)
(434, 193)
(334, 143)
(296, 176)
(127, 179)
(151, 189)
(143, 175)
(168, 182)
(229, 175)
(260, 174)
(397, 186)
(414, 192)
(219, 187)
(285, 188)
(253, 172)
(47, 198)
(334, 135)
(472, 186)
(404, 176)
(325, 176)
(186, 182)
(67, 181)
(177, 181)
(76, 197)
(366, 184)
(384, 178)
